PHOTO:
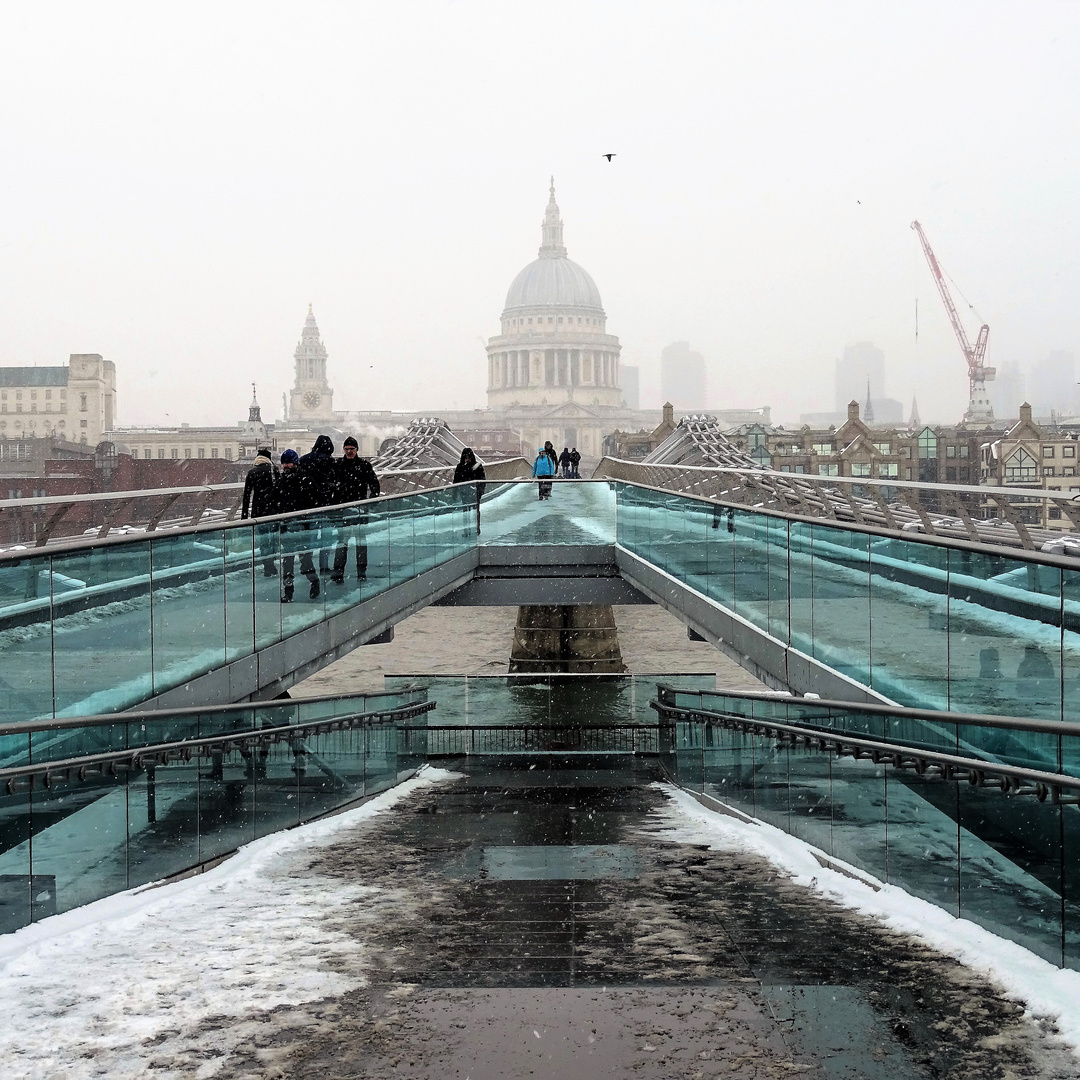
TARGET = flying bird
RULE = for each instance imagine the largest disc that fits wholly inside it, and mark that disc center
(608, 156)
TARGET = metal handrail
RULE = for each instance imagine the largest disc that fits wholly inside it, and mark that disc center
(1009, 779)
(1008, 723)
(157, 716)
(137, 758)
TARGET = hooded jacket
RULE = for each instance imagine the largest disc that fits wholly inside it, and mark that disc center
(316, 475)
(259, 489)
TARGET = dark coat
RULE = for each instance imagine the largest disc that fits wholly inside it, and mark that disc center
(463, 474)
(564, 458)
(316, 470)
(354, 480)
(259, 491)
(575, 458)
(288, 495)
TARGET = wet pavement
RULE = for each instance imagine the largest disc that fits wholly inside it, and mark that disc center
(543, 926)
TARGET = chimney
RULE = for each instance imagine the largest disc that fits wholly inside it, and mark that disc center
(1025, 413)
(853, 410)
(669, 413)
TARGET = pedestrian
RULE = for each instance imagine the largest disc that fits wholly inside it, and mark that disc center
(258, 501)
(575, 461)
(316, 469)
(564, 462)
(288, 498)
(470, 471)
(543, 466)
(551, 453)
(354, 481)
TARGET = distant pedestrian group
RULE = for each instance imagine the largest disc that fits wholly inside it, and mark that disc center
(315, 480)
(549, 464)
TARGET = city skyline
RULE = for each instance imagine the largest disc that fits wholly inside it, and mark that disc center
(182, 235)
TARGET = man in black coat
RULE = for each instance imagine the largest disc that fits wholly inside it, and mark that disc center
(316, 476)
(288, 498)
(575, 461)
(354, 481)
(259, 502)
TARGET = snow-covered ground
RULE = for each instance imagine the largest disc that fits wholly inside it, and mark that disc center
(1045, 990)
(106, 989)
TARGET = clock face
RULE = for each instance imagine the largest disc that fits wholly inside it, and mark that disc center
(311, 399)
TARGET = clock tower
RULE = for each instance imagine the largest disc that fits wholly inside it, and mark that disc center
(311, 397)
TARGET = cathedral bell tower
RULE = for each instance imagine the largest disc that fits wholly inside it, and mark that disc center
(311, 397)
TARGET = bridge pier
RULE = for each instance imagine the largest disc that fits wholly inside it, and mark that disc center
(579, 638)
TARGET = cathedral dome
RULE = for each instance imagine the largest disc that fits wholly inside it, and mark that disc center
(553, 281)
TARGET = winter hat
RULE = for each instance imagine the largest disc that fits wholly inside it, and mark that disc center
(350, 441)
(264, 452)
(289, 457)
(323, 445)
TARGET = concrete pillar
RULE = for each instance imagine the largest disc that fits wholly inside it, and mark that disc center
(579, 638)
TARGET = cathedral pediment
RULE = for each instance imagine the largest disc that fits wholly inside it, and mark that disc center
(568, 410)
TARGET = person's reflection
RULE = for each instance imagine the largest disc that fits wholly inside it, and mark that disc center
(1037, 685)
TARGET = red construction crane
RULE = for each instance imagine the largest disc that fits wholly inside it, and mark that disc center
(979, 409)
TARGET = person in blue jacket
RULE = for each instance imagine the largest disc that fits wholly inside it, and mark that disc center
(543, 466)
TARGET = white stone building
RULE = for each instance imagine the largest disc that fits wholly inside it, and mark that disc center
(76, 402)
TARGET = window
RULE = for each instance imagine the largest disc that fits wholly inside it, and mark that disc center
(889, 471)
(828, 470)
(1048, 451)
(907, 473)
(1068, 470)
(228, 453)
(950, 451)
(187, 451)
(858, 468)
(1055, 514)
(1068, 451)
(18, 395)
(213, 452)
(146, 452)
(1021, 467)
(82, 423)
(927, 444)
(883, 447)
(950, 475)
(964, 450)
(1048, 470)
(822, 448)
(33, 395)
(48, 394)
(202, 451)
(82, 403)
(174, 453)
(161, 452)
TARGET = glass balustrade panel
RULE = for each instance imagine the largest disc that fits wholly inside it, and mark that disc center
(26, 616)
(102, 630)
(1005, 643)
(841, 601)
(909, 645)
(188, 607)
(751, 554)
(777, 555)
(1011, 868)
(242, 563)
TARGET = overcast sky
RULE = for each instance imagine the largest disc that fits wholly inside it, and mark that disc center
(179, 181)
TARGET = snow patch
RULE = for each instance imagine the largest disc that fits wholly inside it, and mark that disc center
(106, 989)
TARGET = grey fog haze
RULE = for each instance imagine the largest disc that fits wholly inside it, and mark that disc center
(180, 181)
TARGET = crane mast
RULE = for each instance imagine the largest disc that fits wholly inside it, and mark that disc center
(979, 410)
